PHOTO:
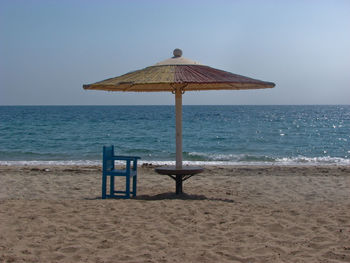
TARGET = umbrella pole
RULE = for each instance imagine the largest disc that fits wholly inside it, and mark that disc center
(178, 113)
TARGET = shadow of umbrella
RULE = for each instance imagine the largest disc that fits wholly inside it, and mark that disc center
(183, 196)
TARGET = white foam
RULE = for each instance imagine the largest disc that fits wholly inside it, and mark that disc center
(279, 161)
(51, 163)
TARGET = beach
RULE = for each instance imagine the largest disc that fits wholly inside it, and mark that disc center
(227, 214)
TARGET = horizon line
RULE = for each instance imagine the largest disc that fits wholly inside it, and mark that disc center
(128, 105)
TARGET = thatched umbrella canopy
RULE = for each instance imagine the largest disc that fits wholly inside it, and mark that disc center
(178, 75)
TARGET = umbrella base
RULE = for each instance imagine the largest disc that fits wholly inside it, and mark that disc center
(179, 175)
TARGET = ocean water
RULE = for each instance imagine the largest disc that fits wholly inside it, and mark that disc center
(248, 135)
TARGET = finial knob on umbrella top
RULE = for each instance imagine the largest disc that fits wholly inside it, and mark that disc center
(177, 52)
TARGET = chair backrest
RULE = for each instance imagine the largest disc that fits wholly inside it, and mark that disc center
(108, 162)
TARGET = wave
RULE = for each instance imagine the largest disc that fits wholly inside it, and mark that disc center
(202, 159)
(314, 160)
(52, 163)
(246, 159)
(25, 156)
(195, 156)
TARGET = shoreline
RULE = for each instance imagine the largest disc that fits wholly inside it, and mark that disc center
(227, 214)
(149, 166)
(165, 163)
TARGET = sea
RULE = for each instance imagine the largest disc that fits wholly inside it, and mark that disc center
(212, 135)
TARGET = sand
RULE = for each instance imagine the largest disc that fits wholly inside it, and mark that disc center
(228, 214)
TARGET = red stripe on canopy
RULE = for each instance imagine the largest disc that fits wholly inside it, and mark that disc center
(205, 74)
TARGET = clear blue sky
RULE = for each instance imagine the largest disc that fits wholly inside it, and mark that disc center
(49, 49)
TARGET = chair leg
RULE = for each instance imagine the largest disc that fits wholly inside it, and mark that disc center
(104, 185)
(134, 185)
(111, 186)
(127, 194)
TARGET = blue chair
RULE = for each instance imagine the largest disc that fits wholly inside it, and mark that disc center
(109, 171)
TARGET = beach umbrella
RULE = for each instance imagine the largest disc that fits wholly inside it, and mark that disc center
(178, 75)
